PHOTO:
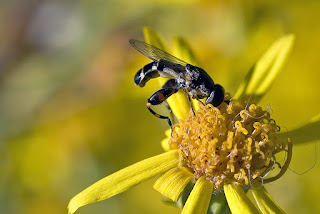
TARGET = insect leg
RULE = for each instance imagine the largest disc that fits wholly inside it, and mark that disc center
(190, 102)
(171, 83)
(200, 101)
(169, 109)
(159, 97)
(159, 116)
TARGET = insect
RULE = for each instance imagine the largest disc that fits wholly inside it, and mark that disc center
(193, 80)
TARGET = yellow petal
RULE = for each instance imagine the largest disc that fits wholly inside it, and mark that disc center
(305, 133)
(172, 183)
(178, 102)
(124, 179)
(260, 78)
(238, 201)
(199, 198)
(153, 38)
(183, 50)
(164, 143)
(265, 202)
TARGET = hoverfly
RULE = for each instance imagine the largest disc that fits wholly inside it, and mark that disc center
(193, 80)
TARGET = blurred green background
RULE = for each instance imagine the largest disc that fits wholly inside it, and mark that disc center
(70, 113)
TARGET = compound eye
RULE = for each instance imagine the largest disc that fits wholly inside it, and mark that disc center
(217, 96)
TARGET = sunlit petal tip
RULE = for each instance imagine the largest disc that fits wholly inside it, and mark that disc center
(124, 179)
(165, 142)
(172, 183)
(265, 202)
(260, 77)
(199, 198)
(167, 132)
(72, 207)
(238, 201)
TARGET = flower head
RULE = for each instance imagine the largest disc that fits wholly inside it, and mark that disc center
(217, 151)
(233, 143)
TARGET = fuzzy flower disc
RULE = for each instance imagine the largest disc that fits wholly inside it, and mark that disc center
(233, 143)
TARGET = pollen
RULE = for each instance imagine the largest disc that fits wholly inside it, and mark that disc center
(233, 143)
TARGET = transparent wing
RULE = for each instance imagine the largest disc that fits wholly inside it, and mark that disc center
(154, 53)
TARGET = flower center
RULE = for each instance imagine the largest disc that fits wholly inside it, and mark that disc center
(233, 143)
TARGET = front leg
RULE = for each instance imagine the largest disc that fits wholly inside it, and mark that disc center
(190, 102)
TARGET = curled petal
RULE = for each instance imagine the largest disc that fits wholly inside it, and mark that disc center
(199, 198)
(260, 77)
(238, 201)
(172, 183)
(124, 179)
(265, 202)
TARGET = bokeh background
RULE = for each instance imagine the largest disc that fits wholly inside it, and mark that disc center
(70, 113)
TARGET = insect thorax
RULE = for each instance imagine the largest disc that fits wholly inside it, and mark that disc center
(198, 85)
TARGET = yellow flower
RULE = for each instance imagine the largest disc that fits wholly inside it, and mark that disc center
(182, 166)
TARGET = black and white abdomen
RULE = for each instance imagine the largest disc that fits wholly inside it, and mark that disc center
(146, 73)
(158, 68)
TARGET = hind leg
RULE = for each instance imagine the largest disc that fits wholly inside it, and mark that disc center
(159, 97)
(171, 83)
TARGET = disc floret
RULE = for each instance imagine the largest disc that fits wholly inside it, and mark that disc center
(233, 143)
